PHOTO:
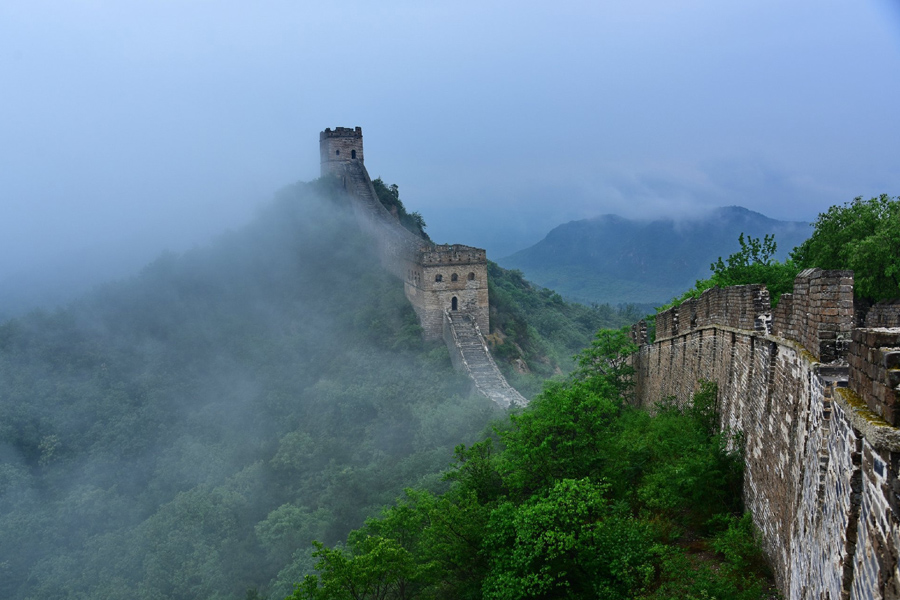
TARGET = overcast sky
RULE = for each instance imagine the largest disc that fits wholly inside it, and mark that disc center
(127, 127)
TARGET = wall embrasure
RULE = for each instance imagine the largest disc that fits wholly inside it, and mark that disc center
(812, 397)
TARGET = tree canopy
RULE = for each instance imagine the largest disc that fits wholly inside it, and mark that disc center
(862, 235)
(577, 496)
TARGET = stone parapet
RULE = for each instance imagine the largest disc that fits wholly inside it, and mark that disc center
(819, 315)
(820, 434)
(639, 334)
(453, 254)
(882, 314)
(739, 306)
(874, 359)
(822, 312)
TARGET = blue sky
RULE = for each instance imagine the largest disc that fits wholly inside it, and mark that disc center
(128, 127)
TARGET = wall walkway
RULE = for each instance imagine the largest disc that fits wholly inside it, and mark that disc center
(401, 251)
(470, 354)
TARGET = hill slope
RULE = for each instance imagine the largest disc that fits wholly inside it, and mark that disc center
(186, 433)
(617, 260)
(183, 434)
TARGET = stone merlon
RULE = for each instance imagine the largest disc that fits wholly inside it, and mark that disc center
(444, 283)
(815, 398)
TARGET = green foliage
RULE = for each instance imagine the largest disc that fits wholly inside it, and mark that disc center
(568, 541)
(739, 545)
(187, 433)
(753, 263)
(862, 235)
(389, 196)
(578, 496)
(608, 356)
(536, 326)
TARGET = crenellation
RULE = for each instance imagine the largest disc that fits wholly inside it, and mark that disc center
(874, 360)
(437, 279)
(815, 398)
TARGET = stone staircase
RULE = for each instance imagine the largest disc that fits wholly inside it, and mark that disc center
(461, 333)
(470, 355)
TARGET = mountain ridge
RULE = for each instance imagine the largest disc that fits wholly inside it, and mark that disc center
(610, 258)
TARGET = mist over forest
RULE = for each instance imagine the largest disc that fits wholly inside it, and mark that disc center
(188, 431)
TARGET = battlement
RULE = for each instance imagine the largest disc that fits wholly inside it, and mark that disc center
(453, 254)
(339, 148)
(815, 398)
(819, 315)
(874, 359)
(340, 132)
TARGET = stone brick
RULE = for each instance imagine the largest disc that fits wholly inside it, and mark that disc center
(438, 279)
(816, 481)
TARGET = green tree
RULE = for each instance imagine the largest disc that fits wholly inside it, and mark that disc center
(606, 360)
(569, 542)
(754, 262)
(389, 196)
(862, 235)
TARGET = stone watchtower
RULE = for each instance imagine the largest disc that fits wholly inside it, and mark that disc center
(452, 278)
(438, 279)
(338, 147)
(446, 285)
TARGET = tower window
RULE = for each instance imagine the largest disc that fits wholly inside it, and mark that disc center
(453, 303)
(454, 277)
(471, 276)
(353, 154)
(337, 152)
(438, 277)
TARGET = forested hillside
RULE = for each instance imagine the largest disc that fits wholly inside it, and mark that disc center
(580, 496)
(183, 434)
(188, 432)
(618, 260)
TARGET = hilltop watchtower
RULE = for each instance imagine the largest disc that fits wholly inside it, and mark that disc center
(446, 285)
(438, 279)
(338, 147)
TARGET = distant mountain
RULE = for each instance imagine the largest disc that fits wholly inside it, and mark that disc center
(617, 260)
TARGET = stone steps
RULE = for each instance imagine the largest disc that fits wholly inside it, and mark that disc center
(479, 365)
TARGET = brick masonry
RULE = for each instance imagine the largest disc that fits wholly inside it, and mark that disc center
(435, 276)
(439, 280)
(814, 398)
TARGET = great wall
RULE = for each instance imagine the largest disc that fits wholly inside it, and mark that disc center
(812, 388)
(446, 284)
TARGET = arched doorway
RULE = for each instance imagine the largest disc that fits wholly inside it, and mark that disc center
(453, 303)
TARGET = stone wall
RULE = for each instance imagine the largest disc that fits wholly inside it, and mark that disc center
(813, 398)
(470, 355)
(883, 314)
(440, 281)
(417, 262)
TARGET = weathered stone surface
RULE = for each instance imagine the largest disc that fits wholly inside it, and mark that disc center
(470, 354)
(438, 280)
(821, 442)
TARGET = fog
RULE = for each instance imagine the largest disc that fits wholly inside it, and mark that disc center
(129, 128)
(188, 431)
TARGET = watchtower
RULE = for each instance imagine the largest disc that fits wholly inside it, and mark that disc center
(453, 279)
(338, 147)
